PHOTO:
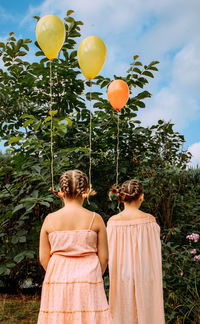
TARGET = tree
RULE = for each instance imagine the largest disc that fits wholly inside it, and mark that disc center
(147, 153)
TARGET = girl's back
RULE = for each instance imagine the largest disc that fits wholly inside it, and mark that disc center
(75, 240)
(70, 218)
(135, 267)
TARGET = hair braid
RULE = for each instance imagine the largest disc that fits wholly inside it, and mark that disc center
(74, 183)
(65, 183)
(130, 190)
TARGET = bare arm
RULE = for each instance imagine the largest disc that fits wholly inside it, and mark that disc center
(102, 245)
(44, 249)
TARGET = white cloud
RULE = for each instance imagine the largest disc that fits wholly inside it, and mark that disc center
(195, 150)
(179, 100)
(169, 105)
(186, 68)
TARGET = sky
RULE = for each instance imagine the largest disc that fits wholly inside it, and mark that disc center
(165, 30)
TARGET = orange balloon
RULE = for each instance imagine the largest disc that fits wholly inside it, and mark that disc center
(118, 94)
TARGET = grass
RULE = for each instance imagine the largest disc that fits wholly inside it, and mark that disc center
(19, 309)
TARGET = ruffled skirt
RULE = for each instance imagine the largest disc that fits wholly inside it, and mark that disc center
(73, 292)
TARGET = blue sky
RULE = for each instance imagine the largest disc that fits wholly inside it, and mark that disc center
(165, 30)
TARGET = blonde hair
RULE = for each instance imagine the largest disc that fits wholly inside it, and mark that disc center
(74, 183)
(130, 190)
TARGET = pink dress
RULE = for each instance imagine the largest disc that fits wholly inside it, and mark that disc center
(136, 295)
(73, 289)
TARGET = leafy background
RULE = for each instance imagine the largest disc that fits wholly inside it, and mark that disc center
(155, 155)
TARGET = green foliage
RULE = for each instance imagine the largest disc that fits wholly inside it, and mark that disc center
(181, 277)
(25, 127)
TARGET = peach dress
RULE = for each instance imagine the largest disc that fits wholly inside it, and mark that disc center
(136, 294)
(73, 289)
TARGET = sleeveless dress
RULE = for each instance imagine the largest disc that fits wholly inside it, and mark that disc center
(135, 269)
(73, 289)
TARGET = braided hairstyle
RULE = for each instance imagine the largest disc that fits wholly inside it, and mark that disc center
(130, 190)
(74, 183)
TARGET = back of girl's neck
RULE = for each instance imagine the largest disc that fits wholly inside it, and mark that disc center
(73, 202)
(131, 206)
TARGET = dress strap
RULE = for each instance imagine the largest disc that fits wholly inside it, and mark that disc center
(92, 221)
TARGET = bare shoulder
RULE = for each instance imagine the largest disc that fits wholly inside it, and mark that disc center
(44, 227)
(47, 224)
(114, 217)
(98, 223)
(99, 219)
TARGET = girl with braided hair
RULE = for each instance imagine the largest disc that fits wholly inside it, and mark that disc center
(135, 265)
(74, 253)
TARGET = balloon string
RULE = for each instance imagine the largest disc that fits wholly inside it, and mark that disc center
(51, 129)
(117, 159)
(90, 140)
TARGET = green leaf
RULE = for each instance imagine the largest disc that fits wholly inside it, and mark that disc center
(53, 112)
(25, 47)
(143, 95)
(138, 63)
(18, 207)
(22, 53)
(4, 270)
(70, 20)
(19, 44)
(47, 119)
(36, 17)
(69, 12)
(37, 168)
(93, 95)
(22, 239)
(30, 254)
(140, 104)
(147, 73)
(154, 63)
(37, 125)
(19, 257)
(44, 60)
(73, 55)
(153, 68)
(137, 70)
(104, 84)
(139, 84)
(28, 116)
(35, 193)
(28, 122)
(39, 53)
(14, 239)
(68, 120)
(45, 203)
(14, 139)
(27, 40)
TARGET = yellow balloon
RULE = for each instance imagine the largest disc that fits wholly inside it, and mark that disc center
(91, 56)
(50, 34)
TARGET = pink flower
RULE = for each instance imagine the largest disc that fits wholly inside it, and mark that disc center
(194, 251)
(197, 257)
(193, 237)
